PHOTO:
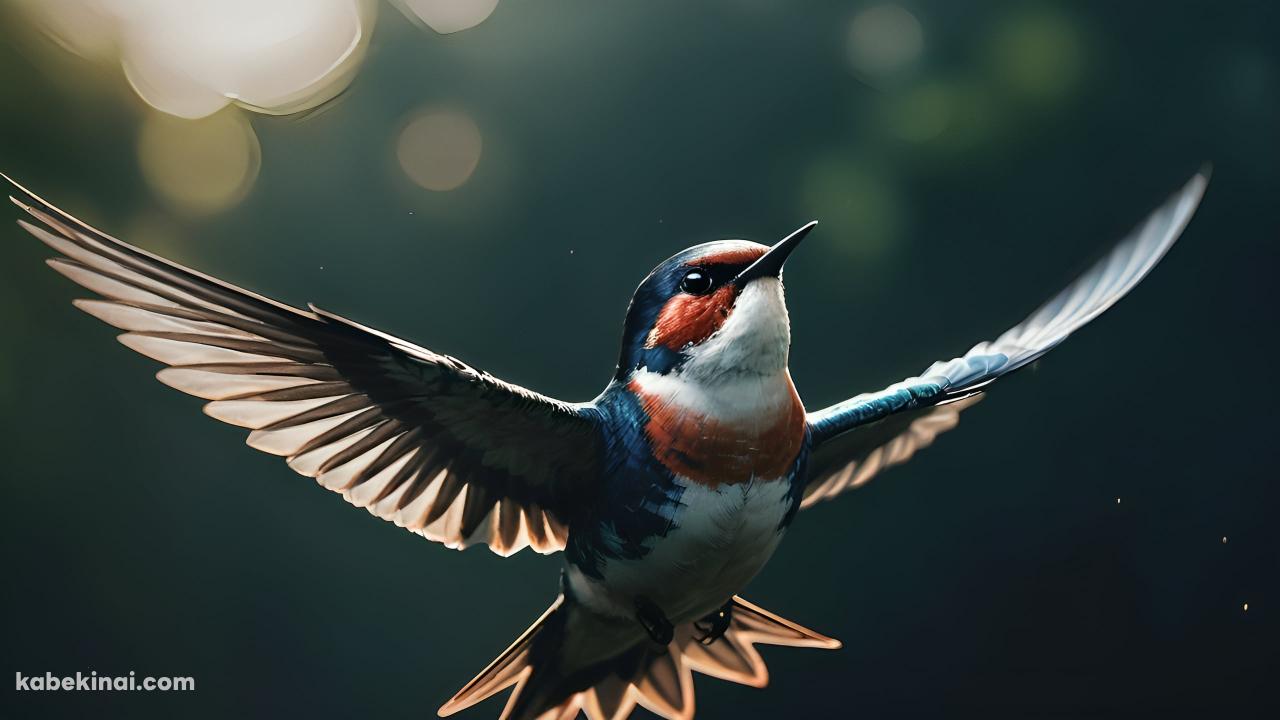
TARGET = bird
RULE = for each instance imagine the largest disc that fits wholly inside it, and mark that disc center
(666, 494)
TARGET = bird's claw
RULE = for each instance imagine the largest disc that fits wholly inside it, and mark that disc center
(714, 626)
(654, 621)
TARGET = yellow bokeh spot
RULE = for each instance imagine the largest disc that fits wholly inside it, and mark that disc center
(199, 166)
(439, 149)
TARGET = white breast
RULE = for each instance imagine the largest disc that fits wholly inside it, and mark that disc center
(721, 539)
(735, 399)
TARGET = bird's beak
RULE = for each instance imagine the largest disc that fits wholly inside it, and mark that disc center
(770, 264)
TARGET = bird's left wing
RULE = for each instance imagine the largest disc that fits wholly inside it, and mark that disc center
(417, 438)
(856, 439)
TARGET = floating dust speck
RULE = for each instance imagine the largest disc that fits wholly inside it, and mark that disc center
(1224, 539)
(1246, 607)
(1117, 501)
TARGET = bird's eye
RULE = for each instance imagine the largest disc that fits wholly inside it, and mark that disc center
(695, 282)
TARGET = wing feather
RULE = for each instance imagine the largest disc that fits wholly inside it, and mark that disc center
(417, 438)
(855, 440)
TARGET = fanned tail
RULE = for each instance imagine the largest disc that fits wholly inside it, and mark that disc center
(547, 687)
(734, 656)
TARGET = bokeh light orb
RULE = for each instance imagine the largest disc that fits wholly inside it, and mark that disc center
(199, 166)
(884, 39)
(447, 16)
(439, 148)
(194, 57)
(1038, 55)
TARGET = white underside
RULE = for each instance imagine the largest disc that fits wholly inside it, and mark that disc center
(722, 537)
(748, 402)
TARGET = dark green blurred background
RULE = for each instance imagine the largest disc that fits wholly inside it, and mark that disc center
(994, 575)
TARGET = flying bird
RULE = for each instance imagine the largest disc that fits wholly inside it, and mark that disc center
(667, 493)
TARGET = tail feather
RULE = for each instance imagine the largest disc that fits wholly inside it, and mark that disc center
(666, 686)
(608, 699)
(659, 680)
(510, 668)
(734, 657)
(755, 624)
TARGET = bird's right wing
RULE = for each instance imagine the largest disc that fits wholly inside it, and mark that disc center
(856, 439)
(417, 438)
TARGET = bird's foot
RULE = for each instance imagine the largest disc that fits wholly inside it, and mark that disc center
(714, 626)
(654, 621)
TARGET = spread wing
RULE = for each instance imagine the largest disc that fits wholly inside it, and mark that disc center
(856, 439)
(417, 438)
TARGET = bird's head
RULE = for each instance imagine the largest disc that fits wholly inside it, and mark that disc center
(711, 311)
